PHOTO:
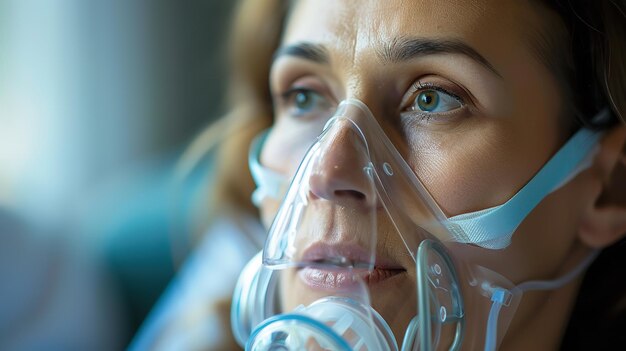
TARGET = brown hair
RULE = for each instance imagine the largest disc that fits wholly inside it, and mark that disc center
(587, 54)
(256, 32)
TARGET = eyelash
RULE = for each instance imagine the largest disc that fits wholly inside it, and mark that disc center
(417, 87)
(289, 93)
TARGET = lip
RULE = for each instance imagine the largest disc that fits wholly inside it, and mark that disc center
(340, 267)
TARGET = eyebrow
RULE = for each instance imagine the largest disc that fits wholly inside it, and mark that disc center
(395, 51)
(404, 49)
(308, 51)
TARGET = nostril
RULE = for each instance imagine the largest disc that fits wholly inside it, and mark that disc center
(324, 186)
(357, 195)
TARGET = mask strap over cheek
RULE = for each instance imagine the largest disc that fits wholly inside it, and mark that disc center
(493, 228)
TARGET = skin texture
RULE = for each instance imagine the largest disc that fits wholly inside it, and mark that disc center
(472, 157)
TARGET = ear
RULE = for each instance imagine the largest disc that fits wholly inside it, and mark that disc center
(604, 221)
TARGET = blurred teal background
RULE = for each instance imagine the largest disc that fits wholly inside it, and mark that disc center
(98, 99)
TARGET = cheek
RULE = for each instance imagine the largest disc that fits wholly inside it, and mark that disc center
(484, 163)
(288, 142)
(268, 210)
(282, 152)
(470, 170)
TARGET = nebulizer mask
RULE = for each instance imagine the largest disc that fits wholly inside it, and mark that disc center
(330, 277)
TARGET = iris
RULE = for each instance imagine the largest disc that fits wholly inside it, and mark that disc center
(428, 100)
(435, 101)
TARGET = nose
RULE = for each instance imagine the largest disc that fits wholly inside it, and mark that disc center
(340, 172)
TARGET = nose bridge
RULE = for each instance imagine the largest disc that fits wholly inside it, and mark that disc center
(339, 173)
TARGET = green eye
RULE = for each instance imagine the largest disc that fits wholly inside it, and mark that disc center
(435, 101)
(428, 100)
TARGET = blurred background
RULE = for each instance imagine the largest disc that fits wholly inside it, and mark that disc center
(98, 100)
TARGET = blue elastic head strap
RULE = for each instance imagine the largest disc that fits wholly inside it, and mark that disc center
(493, 228)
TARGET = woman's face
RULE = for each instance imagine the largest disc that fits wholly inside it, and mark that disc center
(459, 86)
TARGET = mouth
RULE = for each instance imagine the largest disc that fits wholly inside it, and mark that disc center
(345, 267)
(345, 279)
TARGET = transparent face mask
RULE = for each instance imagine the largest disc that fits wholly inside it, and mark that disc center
(330, 276)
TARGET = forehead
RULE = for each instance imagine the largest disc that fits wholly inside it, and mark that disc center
(354, 28)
